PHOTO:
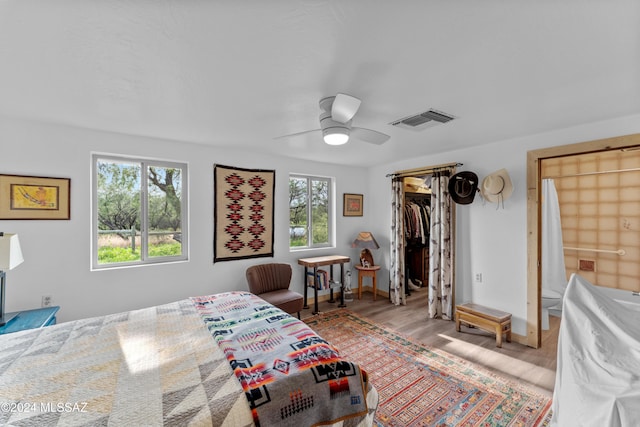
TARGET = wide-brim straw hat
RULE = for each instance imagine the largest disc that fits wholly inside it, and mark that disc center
(497, 187)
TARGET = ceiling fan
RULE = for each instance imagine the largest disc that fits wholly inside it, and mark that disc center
(335, 122)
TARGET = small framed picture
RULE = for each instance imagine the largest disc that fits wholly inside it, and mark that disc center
(352, 205)
(34, 197)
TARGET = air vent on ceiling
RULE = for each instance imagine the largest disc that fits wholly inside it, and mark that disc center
(423, 120)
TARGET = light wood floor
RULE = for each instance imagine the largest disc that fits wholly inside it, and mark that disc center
(536, 367)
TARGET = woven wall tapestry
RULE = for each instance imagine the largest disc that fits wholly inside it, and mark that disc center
(243, 213)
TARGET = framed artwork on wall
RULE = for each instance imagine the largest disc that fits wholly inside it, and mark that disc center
(34, 197)
(352, 205)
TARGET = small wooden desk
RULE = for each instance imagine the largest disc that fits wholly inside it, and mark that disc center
(319, 262)
(367, 272)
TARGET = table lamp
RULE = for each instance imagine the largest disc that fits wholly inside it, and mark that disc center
(365, 241)
(10, 257)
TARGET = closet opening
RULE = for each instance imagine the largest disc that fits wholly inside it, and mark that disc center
(423, 238)
(417, 220)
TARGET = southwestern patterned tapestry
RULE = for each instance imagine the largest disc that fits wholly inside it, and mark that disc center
(243, 213)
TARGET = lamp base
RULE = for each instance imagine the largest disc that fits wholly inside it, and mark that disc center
(4, 319)
(366, 258)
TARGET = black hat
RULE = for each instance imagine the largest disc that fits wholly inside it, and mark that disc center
(463, 187)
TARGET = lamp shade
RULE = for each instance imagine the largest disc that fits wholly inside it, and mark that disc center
(365, 240)
(10, 252)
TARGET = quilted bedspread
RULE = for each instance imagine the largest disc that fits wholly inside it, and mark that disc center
(150, 367)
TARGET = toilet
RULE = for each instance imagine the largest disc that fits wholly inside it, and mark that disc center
(550, 299)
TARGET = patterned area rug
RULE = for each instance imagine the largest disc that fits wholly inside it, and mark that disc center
(422, 386)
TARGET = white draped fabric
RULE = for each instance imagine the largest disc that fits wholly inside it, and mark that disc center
(554, 275)
(440, 249)
(598, 367)
(396, 267)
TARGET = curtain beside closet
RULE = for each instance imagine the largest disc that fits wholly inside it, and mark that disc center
(397, 262)
(441, 249)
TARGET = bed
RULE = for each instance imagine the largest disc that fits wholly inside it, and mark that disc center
(228, 359)
(598, 369)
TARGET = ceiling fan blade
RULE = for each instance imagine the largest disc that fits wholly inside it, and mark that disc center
(298, 133)
(369, 135)
(344, 107)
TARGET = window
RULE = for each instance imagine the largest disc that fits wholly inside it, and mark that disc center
(139, 211)
(310, 212)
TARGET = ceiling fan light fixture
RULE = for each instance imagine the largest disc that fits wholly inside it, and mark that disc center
(338, 130)
(336, 136)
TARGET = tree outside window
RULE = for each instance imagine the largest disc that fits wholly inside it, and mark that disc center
(310, 221)
(139, 211)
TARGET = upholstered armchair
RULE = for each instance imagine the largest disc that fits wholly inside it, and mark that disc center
(271, 283)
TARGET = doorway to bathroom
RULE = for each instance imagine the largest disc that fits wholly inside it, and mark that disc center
(598, 191)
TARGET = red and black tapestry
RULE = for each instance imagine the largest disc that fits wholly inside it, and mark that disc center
(243, 213)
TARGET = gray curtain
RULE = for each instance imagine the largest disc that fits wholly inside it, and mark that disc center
(440, 249)
(396, 268)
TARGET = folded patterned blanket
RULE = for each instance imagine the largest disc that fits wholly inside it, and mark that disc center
(290, 375)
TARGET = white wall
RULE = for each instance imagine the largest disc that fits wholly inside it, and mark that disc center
(57, 262)
(57, 253)
(489, 241)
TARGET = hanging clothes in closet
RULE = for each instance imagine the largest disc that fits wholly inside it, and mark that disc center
(417, 221)
(417, 214)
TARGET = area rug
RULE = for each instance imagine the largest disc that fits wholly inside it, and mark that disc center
(243, 213)
(423, 386)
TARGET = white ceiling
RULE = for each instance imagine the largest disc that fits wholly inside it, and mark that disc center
(239, 73)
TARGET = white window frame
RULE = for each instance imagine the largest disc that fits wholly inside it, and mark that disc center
(144, 216)
(331, 213)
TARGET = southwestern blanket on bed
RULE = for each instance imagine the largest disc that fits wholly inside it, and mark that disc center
(151, 367)
(291, 376)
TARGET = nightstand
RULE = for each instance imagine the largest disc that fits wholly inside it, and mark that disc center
(30, 319)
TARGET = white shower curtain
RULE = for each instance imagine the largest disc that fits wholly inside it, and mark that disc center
(554, 274)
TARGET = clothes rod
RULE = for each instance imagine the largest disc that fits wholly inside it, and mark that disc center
(423, 171)
(592, 173)
(620, 252)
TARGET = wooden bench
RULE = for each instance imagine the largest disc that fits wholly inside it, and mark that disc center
(485, 318)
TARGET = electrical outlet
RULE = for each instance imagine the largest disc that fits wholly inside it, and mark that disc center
(479, 277)
(46, 300)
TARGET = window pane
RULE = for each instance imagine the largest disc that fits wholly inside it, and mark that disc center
(320, 211)
(164, 211)
(297, 212)
(139, 210)
(118, 205)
